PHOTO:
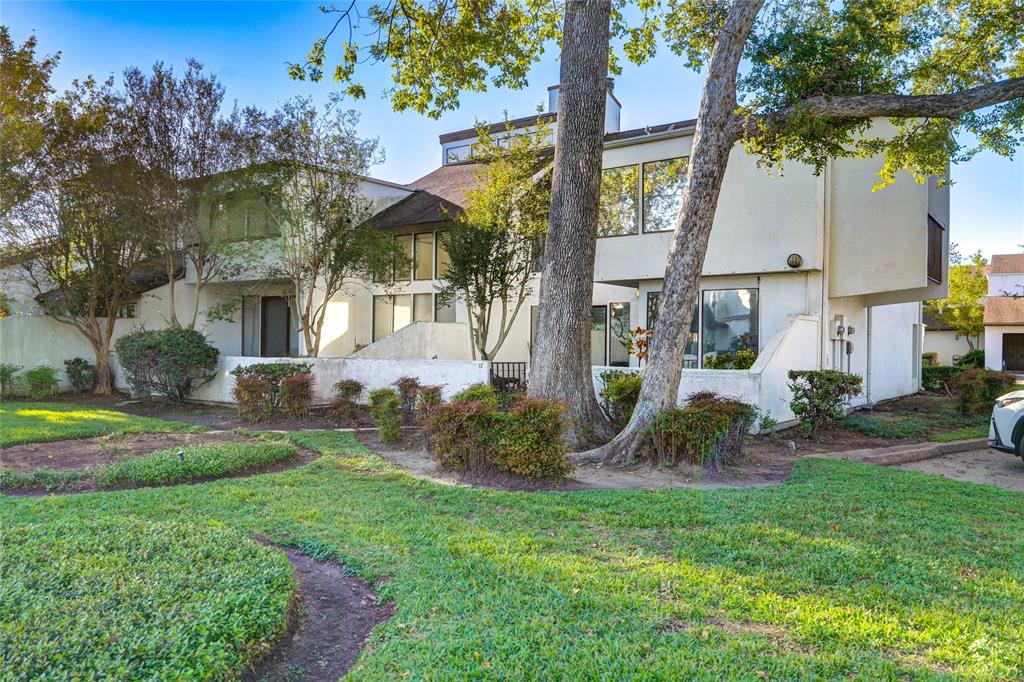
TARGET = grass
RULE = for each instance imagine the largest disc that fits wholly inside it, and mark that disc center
(43, 422)
(160, 467)
(846, 571)
(101, 598)
(964, 433)
(939, 420)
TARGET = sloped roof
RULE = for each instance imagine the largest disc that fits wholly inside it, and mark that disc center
(438, 195)
(1004, 310)
(933, 325)
(1007, 263)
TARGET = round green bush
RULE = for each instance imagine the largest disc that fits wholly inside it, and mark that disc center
(127, 599)
(170, 362)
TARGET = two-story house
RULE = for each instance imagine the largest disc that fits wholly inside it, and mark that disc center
(1004, 313)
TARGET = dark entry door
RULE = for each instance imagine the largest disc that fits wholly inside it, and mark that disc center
(1013, 352)
(275, 327)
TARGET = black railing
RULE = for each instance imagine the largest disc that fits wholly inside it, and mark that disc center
(508, 377)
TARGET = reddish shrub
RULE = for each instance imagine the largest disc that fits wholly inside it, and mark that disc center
(297, 394)
(346, 399)
(253, 395)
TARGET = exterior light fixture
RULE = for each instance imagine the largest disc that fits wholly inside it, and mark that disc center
(795, 260)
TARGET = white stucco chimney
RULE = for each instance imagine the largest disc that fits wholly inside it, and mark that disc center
(612, 108)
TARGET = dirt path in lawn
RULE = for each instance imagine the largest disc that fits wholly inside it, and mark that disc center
(757, 466)
(338, 614)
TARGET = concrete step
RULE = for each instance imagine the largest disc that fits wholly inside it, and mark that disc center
(912, 452)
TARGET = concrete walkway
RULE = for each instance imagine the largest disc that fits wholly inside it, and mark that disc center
(982, 465)
(904, 454)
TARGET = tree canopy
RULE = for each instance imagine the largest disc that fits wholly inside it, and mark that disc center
(963, 310)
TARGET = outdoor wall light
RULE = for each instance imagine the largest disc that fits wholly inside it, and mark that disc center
(795, 260)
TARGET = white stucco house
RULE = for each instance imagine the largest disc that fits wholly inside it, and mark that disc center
(1004, 313)
(946, 343)
(808, 271)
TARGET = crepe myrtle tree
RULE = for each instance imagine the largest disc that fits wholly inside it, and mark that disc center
(494, 244)
(307, 183)
(81, 241)
(187, 145)
(816, 75)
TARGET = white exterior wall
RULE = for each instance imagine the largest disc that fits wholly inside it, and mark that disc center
(947, 345)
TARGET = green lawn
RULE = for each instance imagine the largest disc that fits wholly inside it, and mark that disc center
(846, 571)
(42, 422)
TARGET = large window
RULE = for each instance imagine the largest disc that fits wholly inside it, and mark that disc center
(424, 255)
(619, 207)
(663, 193)
(443, 260)
(239, 217)
(423, 307)
(729, 321)
(403, 264)
(691, 359)
(391, 313)
(444, 312)
(598, 334)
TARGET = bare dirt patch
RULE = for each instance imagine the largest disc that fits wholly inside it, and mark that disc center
(337, 614)
(976, 466)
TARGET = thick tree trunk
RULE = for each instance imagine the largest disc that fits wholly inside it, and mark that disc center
(560, 366)
(713, 139)
(104, 382)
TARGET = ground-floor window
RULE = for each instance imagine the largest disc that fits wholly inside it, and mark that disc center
(598, 335)
(725, 321)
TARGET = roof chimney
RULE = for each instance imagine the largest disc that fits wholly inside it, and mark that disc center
(612, 108)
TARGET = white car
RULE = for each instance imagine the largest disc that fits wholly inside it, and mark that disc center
(1006, 430)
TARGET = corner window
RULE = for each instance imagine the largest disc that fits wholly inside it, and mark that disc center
(663, 193)
(729, 321)
(619, 204)
(423, 248)
(691, 358)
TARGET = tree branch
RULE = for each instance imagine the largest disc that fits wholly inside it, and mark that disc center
(951, 105)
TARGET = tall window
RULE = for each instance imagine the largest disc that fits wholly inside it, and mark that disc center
(444, 312)
(443, 260)
(619, 207)
(403, 266)
(691, 359)
(598, 334)
(730, 321)
(618, 334)
(391, 313)
(423, 248)
(423, 307)
(663, 193)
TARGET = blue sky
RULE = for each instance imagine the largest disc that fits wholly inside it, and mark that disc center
(248, 45)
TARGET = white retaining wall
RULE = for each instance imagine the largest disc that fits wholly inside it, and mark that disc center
(453, 375)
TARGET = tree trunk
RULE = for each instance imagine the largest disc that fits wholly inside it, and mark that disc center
(104, 382)
(713, 139)
(560, 366)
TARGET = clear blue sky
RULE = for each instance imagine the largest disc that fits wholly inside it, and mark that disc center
(248, 44)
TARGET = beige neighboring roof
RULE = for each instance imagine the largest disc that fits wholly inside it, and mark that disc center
(450, 182)
(1007, 263)
(1004, 310)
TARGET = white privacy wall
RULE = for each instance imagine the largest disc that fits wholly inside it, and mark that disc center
(453, 375)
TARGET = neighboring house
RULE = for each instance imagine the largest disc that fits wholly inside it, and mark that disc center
(809, 271)
(947, 345)
(1004, 313)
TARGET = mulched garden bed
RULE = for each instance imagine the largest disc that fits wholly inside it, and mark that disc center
(81, 454)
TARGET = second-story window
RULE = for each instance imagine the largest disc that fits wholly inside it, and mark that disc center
(444, 261)
(403, 263)
(423, 249)
(619, 208)
(663, 193)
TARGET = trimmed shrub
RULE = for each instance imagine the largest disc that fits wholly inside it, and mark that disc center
(977, 389)
(408, 390)
(708, 429)
(273, 373)
(41, 382)
(252, 395)
(483, 392)
(386, 408)
(741, 359)
(929, 359)
(346, 399)
(429, 398)
(972, 359)
(8, 377)
(619, 392)
(818, 396)
(474, 436)
(81, 374)
(939, 377)
(297, 394)
(170, 362)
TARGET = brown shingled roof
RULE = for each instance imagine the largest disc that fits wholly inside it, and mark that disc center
(1007, 263)
(439, 195)
(1004, 310)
